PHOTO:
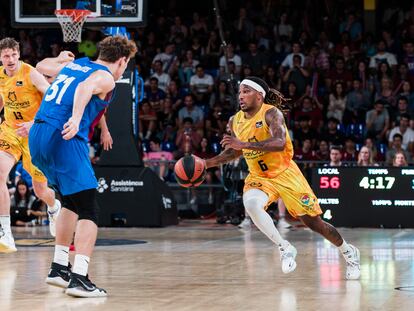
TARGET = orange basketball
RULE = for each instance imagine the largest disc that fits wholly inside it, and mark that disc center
(190, 171)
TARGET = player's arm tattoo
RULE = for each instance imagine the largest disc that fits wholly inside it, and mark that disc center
(276, 123)
(227, 155)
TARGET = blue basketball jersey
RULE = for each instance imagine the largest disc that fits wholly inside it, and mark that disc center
(57, 104)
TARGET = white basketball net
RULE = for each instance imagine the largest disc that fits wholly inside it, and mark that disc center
(71, 22)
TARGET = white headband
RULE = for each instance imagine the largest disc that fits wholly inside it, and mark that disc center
(254, 85)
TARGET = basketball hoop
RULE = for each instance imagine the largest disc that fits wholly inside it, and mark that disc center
(71, 22)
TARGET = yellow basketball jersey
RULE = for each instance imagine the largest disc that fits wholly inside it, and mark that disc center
(20, 97)
(261, 163)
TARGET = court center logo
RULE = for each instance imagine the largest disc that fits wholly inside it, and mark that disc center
(102, 185)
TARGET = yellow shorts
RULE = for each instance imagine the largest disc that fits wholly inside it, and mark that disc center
(18, 147)
(292, 187)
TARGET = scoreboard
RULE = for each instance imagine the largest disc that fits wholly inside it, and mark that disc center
(366, 196)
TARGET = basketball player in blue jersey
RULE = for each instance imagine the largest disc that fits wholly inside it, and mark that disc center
(58, 143)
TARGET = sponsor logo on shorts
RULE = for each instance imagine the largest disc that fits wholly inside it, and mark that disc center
(307, 200)
(259, 124)
(255, 184)
(4, 144)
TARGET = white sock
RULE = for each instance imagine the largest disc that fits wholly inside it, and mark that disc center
(344, 247)
(5, 223)
(254, 201)
(61, 255)
(81, 265)
(53, 208)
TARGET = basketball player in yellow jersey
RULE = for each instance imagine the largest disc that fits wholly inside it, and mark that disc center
(21, 89)
(258, 132)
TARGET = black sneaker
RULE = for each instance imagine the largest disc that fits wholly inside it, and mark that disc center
(81, 286)
(59, 275)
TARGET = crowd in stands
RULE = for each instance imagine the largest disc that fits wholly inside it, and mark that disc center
(351, 92)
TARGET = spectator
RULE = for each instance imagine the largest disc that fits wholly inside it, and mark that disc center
(339, 74)
(305, 153)
(243, 26)
(201, 85)
(196, 48)
(317, 60)
(304, 132)
(408, 59)
(213, 50)
(187, 68)
(399, 160)
(406, 132)
(323, 153)
(396, 147)
(155, 96)
(223, 98)
(193, 112)
(357, 103)
(377, 156)
(332, 135)
(352, 26)
(406, 92)
(288, 62)
(350, 153)
(215, 123)
(168, 58)
(198, 27)
(147, 120)
(283, 28)
(163, 78)
(230, 57)
(178, 28)
(255, 59)
(297, 74)
(382, 55)
(335, 156)
(167, 116)
(157, 159)
(402, 109)
(365, 157)
(386, 94)
(22, 209)
(309, 109)
(337, 102)
(188, 140)
(272, 79)
(377, 121)
(175, 94)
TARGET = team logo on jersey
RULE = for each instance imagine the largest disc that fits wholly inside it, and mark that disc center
(307, 200)
(255, 184)
(259, 124)
(253, 140)
(12, 96)
(4, 144)
(19, 83)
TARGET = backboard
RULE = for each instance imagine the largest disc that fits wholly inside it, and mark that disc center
(40, 13)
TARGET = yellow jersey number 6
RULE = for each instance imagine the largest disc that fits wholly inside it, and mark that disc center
(262, 165)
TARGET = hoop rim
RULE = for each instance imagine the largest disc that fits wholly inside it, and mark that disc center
(76, 13)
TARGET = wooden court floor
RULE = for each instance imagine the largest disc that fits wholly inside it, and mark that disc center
(202, 266)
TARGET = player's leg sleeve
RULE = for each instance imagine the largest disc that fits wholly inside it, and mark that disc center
(255, 201)
(85, 204)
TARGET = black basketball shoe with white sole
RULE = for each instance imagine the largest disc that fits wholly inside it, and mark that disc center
(81, 286)
(59, 275)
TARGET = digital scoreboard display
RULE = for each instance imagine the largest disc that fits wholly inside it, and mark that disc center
(365, 196)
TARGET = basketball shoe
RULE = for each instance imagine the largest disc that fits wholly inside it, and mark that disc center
(353, 268)
(246, 223)
(6, 242)
(81, 286)
(53, 217)
(59, 275)
(287, 256)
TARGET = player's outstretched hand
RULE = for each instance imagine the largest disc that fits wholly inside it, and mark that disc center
(231, 142)
(70, 129)
(106, 140)
(24, 128)
(66, 57)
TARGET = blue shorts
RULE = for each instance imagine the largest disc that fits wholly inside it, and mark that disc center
(65, 163)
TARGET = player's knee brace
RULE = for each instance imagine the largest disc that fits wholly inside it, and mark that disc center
(254, 201)
(85, 203)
